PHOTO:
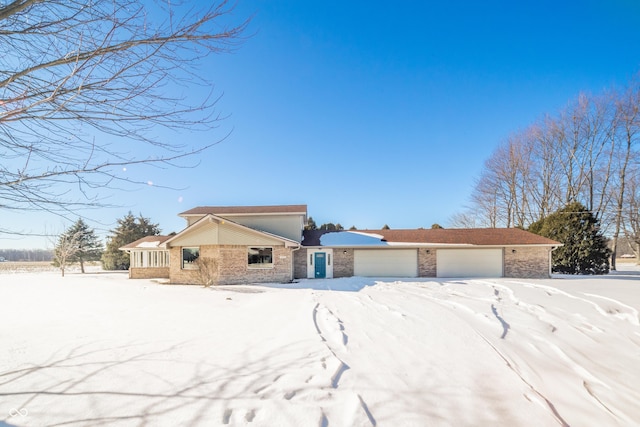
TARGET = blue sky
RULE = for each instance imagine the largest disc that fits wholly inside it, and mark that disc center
(376, 113)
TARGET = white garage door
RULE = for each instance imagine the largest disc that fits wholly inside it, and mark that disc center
(469, 262)
(385, 262)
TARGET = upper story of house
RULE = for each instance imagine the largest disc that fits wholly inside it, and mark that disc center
(282, 220)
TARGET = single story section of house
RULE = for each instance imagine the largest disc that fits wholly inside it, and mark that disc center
(475, 252)
(148, 258)
(252, 244)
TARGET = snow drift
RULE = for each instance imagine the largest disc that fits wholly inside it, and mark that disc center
(99, 349)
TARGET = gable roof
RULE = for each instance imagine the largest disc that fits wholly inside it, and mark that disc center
(246, 210)
(148, 242)
(210, 218)
(457, 236)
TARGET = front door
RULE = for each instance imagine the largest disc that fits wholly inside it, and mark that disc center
(319, 261)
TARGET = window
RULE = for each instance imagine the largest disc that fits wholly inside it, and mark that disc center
(189, 257)
(149, 259)
(260, 257)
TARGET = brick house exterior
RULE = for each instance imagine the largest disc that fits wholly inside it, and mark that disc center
(257, 244)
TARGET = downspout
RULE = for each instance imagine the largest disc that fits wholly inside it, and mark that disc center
(553, 248)
(293, 262)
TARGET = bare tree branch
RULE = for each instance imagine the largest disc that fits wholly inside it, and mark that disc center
(73, 71)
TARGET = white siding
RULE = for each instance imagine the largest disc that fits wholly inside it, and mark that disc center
(229, 235)
(206, 234)
(289, 226)
(385, 262)
(469, 263)
(223, 234)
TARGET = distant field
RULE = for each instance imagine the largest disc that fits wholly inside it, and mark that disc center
(42, 266)
(12, 266)
(626, 261)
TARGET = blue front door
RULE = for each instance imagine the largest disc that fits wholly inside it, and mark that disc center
(319, 261)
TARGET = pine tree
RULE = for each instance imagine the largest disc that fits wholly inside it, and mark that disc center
(585, 249)
(386, 227)
(329, 226)
(78, 243)
(129, 230)
(311, 224)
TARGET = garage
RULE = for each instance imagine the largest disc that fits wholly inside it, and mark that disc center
(385, 262)
(469, 263)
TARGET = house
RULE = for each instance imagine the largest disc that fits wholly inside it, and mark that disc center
(474, 252)
(248, 244)
(251, 244)
(148, 258)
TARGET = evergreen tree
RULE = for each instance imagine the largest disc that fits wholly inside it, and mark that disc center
(329, 226)
(386, 227)
(436, 226)
(585, 249)
(129, 230)
(311, 224)
(78, 243)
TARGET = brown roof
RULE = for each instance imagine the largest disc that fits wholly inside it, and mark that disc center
(457, 236)
(228, 210)
(149, 240)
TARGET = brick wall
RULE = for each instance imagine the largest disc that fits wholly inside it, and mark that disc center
(342, 262)
(149, 273)
(300, 263)
(233, 267)
(188, 276)
(426, 262)
(526, 262)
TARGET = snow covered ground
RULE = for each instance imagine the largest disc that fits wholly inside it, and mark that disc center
(99, 349)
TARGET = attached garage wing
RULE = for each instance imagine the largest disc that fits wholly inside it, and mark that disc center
(385, 262)
(469, 263)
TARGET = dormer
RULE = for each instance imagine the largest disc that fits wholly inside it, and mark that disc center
(282, 220)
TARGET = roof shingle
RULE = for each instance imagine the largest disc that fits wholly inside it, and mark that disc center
(146, 242)
(239, 210)
(459, 236)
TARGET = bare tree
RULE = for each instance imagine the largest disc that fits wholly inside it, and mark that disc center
(546, 190)
(628, 125)
(631, 211)
(464, 219)
(74, 72)
(571, 157)
(207, 272)
(66, 248)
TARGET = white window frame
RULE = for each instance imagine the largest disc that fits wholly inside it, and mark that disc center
(150, 259)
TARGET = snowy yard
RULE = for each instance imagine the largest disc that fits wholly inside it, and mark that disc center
(99, 349)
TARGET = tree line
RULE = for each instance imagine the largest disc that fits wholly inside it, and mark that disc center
(26, 255)
(586, 153)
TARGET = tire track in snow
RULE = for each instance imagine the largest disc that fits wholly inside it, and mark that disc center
(551, 406)
(510, 364)
(331, 331)
(328, 336)
(631, 317)
(365, 408)
(505, 325)
(619, 311)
